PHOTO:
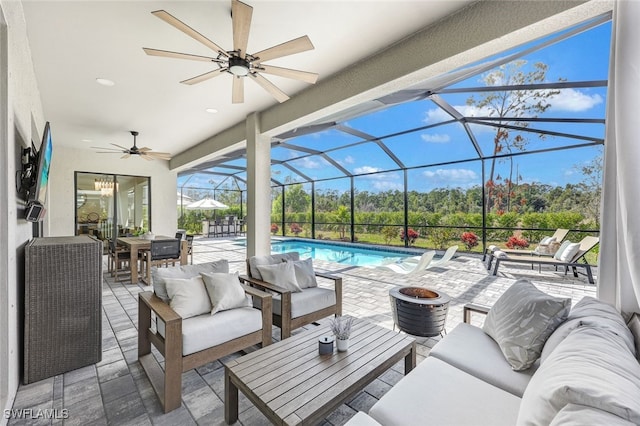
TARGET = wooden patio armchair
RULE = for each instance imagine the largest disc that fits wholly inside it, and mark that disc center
(286, 304)
(167, 337)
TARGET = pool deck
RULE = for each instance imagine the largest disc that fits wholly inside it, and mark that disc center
(116, 391)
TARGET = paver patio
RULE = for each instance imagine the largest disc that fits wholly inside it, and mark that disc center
(117, 392)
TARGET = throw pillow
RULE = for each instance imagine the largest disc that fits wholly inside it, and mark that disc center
(561, 249)
(522, 319)
(254, 261)
(159, 275)
(281, 274)
(591, 367)
(569, 252)
(547, 240)
(305, 275)
(634, 326)
(580, 415)
(188, 296)
(225, 291)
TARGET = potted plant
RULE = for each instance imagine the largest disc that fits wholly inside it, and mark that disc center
(341, 328)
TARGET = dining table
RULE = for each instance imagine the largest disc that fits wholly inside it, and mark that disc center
(138, 244)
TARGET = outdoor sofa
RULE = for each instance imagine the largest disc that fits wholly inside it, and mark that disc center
(575, 367)
(202, 313)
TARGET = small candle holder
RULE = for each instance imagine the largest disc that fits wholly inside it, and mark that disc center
(325, 345)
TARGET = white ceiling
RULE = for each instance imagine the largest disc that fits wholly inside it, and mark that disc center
(75, 42)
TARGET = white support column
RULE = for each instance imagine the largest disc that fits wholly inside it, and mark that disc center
(258, 189)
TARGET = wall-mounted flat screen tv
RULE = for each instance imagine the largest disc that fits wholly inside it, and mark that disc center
(39, 193)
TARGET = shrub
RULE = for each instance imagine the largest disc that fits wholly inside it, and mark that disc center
(274, 228)
(295, 228)
(469, 239)
(389, 233)
(411, 234)
(517, 243)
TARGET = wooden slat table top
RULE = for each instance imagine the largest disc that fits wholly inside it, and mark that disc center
(292, 384)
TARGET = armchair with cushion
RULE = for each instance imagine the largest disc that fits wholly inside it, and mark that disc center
(202, 313)
(297, 299)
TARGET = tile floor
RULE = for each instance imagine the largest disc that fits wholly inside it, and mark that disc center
(116, 391)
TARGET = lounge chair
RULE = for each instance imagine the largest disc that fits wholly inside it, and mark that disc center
(436, 262)
(445, 257)
(557, 236)
(410, 268)
(586, 245)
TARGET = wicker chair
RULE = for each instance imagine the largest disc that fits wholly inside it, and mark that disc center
(119, 260)
(162, 252)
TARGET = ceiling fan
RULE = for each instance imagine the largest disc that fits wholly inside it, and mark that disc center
(238, 62)
(144, 152)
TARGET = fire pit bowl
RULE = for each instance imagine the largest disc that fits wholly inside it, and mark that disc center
(419, 311)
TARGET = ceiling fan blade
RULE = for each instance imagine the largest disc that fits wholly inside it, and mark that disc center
(309, 77)
(159, 155)
(106, 148)
(125, 156)
(146, 157)
(203, 77)
(120, 146)
(270, 87)
(297, 45)
(178, 55)
(237, 90)
(241, 15)
(175, 22)
(143, 149)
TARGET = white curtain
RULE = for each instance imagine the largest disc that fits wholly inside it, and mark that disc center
(619, 267)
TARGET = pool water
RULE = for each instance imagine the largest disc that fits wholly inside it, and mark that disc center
(338, 253)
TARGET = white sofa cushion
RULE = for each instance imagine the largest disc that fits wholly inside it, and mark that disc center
(361, 419)
(159, 275)
(254, 261)
(437, 393)
(522, 319)
(470, 349)
(593, 367)
(590, 311)
(205, 331)
(307, 301)
(188, 297)
(579, 415)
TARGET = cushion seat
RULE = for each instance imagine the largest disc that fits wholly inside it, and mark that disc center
(204, 331)
(437, 393)
(305, 301)
(461, 349)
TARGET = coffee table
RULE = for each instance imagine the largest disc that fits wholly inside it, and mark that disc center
(292, 384)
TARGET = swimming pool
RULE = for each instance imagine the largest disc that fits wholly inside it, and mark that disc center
(338, 253)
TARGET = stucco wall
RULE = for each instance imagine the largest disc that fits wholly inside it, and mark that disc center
(22, 116)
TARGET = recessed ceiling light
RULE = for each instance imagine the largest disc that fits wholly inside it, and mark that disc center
(86, 140)
(105, 82)
(211, 110)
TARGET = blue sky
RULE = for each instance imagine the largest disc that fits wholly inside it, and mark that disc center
(583, 57)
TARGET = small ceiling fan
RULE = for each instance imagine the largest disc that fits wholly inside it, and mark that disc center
(238, 62)
(144, 152)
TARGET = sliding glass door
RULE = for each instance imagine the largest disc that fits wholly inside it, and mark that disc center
(110, 206)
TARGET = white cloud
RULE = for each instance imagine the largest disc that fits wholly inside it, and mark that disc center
(451, 176)
(385, 185)
(436, 138)
(349, 160)
(365, 169)
(574, 100)
(308, 163)
(437, 115)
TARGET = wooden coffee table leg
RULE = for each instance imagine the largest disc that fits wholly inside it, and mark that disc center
(410, 359)
(230, 399)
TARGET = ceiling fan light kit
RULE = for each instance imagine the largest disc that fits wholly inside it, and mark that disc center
(238, 62)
